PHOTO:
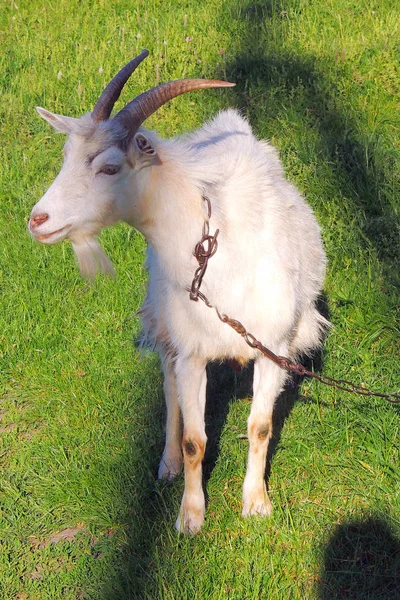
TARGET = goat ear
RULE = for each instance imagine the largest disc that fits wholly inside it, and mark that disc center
(143, 145)
(59, 122)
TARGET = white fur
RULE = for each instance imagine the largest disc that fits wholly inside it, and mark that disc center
(267, 272)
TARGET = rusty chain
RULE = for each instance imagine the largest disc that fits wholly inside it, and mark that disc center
(204, 250)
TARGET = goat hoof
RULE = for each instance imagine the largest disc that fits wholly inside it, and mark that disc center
(257, 504)
(190, 520)
(169, 468)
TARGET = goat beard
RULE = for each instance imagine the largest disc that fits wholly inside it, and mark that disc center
(91, 258)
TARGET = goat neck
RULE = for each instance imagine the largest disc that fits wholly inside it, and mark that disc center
(165, 205)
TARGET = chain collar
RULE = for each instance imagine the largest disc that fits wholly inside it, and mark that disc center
(204, 250)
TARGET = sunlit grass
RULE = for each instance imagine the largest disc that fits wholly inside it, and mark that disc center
(80, 410)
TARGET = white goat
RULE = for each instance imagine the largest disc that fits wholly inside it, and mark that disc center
(267, 272)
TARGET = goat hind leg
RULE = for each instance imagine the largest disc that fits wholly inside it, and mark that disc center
(172, 459)
(268, 382)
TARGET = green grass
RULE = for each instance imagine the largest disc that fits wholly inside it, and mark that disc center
(81, 413)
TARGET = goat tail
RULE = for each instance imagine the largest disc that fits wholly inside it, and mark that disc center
(310, 332)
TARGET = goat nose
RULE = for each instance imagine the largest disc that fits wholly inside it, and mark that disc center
(37, 220)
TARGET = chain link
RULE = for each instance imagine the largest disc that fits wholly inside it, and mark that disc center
(203, 251)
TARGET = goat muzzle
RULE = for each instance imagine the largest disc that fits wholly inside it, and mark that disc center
(37, 220)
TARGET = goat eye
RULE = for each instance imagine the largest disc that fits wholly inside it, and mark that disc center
(109, 170)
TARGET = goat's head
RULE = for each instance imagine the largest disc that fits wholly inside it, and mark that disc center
(103, 158)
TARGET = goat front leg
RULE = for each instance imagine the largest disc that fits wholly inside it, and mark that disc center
(268, 383)
(172, 460)
(192, 381)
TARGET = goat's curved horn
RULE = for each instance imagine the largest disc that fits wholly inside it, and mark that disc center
(111, 93)
(144, 105)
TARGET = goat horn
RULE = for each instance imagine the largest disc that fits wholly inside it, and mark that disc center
(111, 93)
(144, 105)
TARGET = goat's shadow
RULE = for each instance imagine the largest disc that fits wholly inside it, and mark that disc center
(361, 562)
(224, 385)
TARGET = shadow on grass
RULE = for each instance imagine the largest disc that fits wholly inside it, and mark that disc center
(361, 562)
(276, 84)
(137, 507)
(224, 385)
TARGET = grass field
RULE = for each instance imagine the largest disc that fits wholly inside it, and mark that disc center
(81, 413)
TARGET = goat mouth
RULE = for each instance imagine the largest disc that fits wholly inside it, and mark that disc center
(54, 236)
